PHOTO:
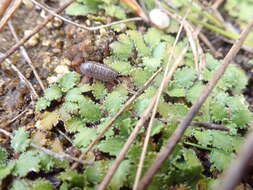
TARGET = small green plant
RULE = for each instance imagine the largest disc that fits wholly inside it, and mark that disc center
(84, 110)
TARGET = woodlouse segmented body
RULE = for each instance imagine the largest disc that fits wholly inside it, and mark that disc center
(98, 71)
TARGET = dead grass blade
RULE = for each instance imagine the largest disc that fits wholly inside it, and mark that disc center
(166, 79)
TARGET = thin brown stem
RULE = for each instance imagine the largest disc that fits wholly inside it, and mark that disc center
(211, 126)
(33, 32)
(173, 140)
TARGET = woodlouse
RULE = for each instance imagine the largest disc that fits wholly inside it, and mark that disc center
(98, 71)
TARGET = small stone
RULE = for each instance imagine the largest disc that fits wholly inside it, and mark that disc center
(43, 14)
(88, 22)
(46, 43)
(52, 79)
(57, 22)
(103, 32)
(62, 69)
(49, 25)
(28, 4)
(56, 50)
(65, 61)
(33, 41)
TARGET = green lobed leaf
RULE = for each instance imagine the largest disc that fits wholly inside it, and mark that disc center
(53, 93)
(27, 162)
(78, 9)
(157, 127)
(175, 91)
(20, 141)
(152, 64)
(68, 81)
(74, 124)
(71, 107)
(46, 162)
(3, 156)
(114, 101)
(42, 104)
(241, 118)
(218, 111)
(123, 67)
(41, 184)
(185, 77)
(6, 170)
(160, 52)
(122, 48)
(142, 48)
(72, 177)
(120, 176)
(140, 76)
(84, 136)
(20, 185)
(112, 145)
(96, 172)
(220, 159)
(75, 94)
(143, 101)
(153, 37)
(90, 111)
(115, 11)
(102, 125)
(99, 90)
(194, 92)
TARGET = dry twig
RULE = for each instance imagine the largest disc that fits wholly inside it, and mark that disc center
(25, 55)
(83, 26)
(65, 136)
(3, 6)
(173, 140)
(33, 32)
(21, 76)
(9, 12)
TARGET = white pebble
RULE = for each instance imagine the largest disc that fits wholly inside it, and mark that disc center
(159, 18)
